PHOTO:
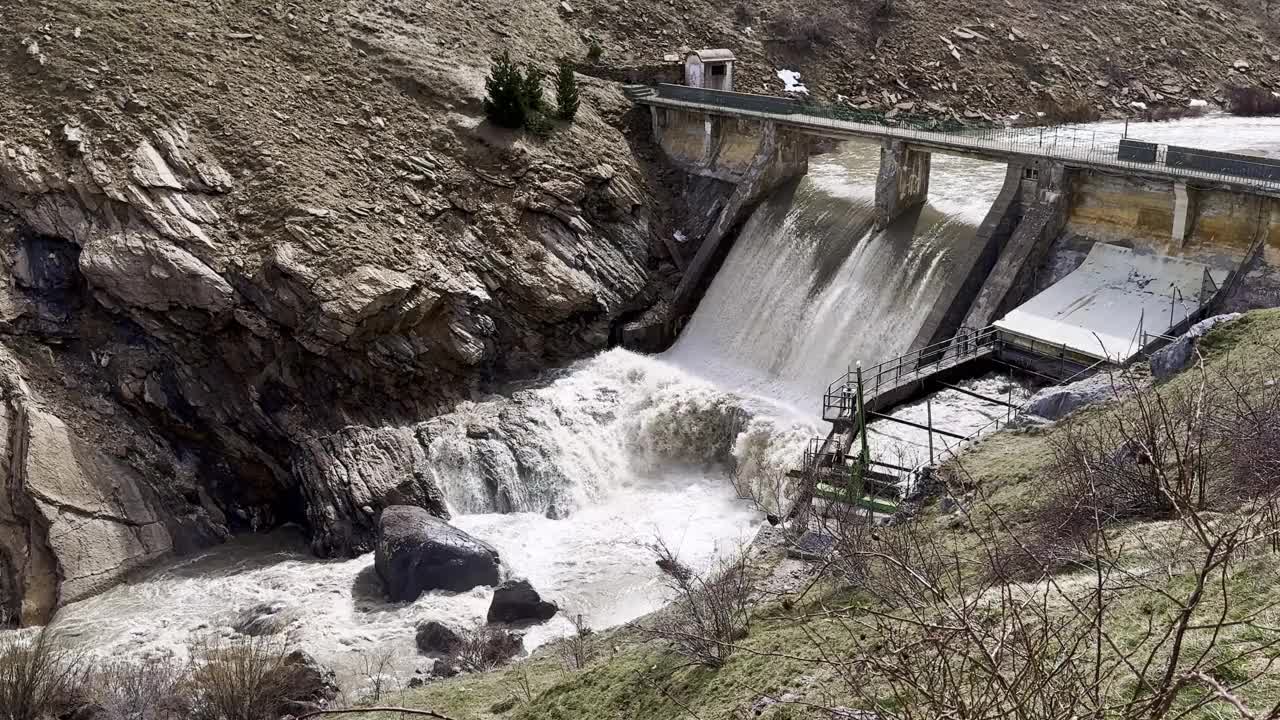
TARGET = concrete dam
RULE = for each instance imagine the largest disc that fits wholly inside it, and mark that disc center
(1178, 228)
(1089, 248)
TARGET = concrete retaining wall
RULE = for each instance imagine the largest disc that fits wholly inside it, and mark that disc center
(755, 158)
(777, 158)
(720, 147)
(1221, 226)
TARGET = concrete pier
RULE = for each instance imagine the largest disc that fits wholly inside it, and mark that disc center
(1181, 212)
(1034, 218)
(903, 182)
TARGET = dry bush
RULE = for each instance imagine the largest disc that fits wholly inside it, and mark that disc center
(484, 647)
(152, 689)
(709, 612)
(935, 637)
(38, 679)
(770, 491)
(1245, 414)
(1251, 101)
(379, 674)
(520, 685)
(1211, 442)
(579, 649)
(249, 679)
(1148, 458)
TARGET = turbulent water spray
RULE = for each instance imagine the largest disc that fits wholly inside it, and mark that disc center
(570, 481)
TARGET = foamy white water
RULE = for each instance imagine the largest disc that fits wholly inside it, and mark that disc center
(634, 447)
(810, 289)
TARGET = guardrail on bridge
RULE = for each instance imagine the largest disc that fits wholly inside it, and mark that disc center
(1067, 142)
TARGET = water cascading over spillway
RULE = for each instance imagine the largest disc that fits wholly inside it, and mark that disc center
(570, 480)
(810, 288)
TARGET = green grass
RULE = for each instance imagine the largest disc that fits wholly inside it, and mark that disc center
(636, 680)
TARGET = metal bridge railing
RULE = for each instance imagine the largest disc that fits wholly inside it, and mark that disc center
(840, 400)
(1069, 144)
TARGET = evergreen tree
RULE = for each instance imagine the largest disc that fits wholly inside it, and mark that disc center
(566, 92)
(531, 91)
(506, 104)
(594, 52)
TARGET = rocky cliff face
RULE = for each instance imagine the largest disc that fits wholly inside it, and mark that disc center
(246, 245)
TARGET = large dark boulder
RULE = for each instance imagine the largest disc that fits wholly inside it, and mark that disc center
(312, 686)
(418, 552)
(516, 601)
(437, 638)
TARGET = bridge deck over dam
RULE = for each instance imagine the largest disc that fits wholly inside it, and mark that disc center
(1072, 146)
(1065, 185)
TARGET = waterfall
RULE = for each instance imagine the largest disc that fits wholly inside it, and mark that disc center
(809, 288)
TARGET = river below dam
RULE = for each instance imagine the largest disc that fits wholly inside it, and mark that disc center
(651, 445)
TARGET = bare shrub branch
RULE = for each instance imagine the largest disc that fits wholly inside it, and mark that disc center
(709, 612)
(37, 678)
(483, 648)
(248, 679)
(150, 689)
(579, 649)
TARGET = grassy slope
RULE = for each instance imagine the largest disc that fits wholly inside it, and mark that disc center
(643, 681)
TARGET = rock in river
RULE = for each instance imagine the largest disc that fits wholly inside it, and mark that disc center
(436, 637)
(418, 552)
(517, 601)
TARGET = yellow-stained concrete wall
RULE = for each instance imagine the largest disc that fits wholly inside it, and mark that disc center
(1136, 212)
(683, 135)
(718, 147)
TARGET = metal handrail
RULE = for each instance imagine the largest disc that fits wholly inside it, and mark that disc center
(907, 367)
(1064, 143)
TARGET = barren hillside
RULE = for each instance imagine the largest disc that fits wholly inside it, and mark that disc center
(994, 57)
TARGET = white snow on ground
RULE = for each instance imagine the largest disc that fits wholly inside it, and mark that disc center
(791, 80)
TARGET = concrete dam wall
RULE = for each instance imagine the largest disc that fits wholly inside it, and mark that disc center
(1221, 226)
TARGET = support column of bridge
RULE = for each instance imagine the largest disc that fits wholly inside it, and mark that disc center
(1031, 221)
(903, 182)
(778, 158)
(1181, 212)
